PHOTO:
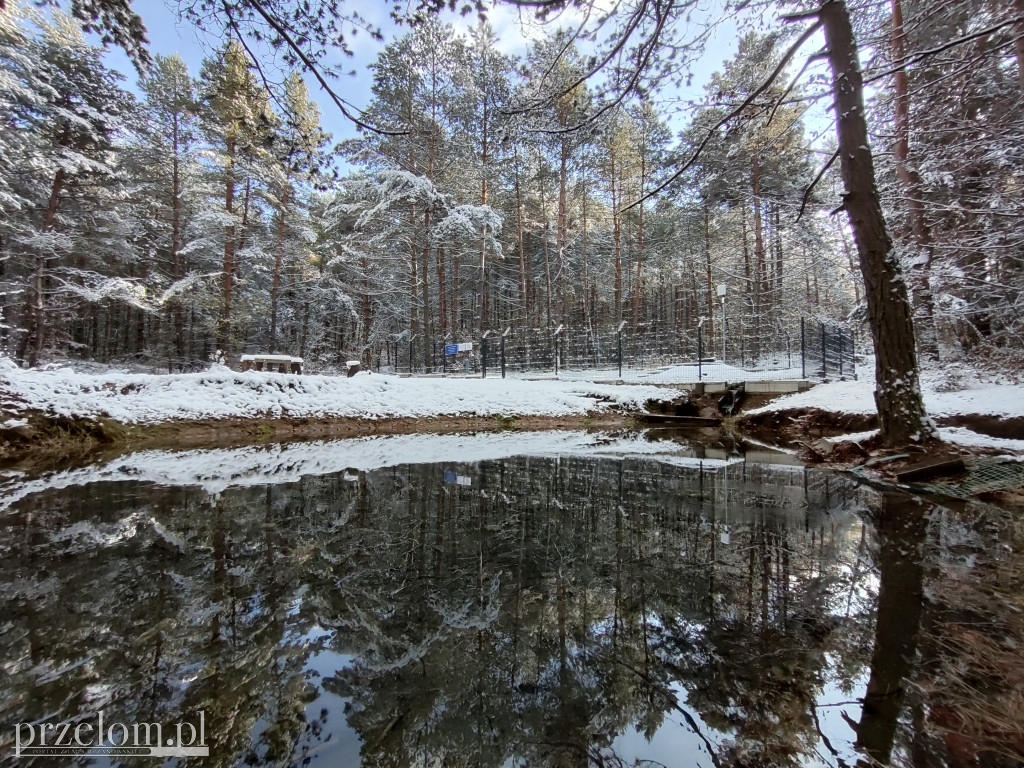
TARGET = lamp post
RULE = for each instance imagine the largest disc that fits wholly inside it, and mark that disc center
(721, 295)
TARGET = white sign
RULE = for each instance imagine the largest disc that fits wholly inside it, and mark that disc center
(466, 346)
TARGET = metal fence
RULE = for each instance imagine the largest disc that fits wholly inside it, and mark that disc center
(814, 350)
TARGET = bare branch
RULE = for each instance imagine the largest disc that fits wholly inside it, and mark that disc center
(314, 70)
(813, 184)
(804, 37)
(945, 47)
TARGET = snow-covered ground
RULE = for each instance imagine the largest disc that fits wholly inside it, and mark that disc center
(956, 435)
(150, 399)
(971, 395)
(943, 398)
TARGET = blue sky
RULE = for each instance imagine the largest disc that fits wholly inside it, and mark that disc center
(168, 34)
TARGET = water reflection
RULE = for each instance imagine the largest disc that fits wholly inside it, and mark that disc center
(693, 608)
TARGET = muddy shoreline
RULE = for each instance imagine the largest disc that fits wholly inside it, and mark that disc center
(47, 441)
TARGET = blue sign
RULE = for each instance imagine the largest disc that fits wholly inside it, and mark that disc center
(451, 349)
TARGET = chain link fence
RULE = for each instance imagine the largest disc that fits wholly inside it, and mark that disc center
(813, 350)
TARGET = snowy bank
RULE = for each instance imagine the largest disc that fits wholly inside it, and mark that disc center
(152, 399)
(857, 398)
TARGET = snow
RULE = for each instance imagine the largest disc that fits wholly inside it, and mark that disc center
(221, 394)
(216, 470)
(956, 435)
(857, 397)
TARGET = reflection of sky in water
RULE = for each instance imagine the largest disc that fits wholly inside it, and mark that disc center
(336, 744)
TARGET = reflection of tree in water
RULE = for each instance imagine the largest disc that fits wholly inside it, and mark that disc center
(962, 702)
(530, 617)
(572, 595)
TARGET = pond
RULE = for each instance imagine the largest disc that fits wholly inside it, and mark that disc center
(549, 599)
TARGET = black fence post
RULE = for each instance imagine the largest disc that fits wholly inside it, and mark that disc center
(803, 351)
(700, 354)
(842, 351)
(853, 353)
(410, 357)
(619, 350)
(503, 355)
(483, 358)
(824, 353)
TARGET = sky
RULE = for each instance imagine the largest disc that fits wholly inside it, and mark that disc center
(515, 29)
(168, 34)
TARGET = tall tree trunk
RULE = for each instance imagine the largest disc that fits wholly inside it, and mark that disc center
(760, 265)
(638, 307)
(921, 265)
(616, 238)
(586, 265)
(1018, 44)
(367, 312)
(39, 280)
(278, 260)
(224, 326)
(442, 295)
(711, 287)
(547, 274)
(523, 304)
(484, 276)
(178, 261)
(848, 252)
(749, 289)
(562, 233)
(456, 302)
(901, 412)
(425, 293)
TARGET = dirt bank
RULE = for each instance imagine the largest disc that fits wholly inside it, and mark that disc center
(48, 440)
(793, 427)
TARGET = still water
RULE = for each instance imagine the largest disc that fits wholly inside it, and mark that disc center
(555, 600)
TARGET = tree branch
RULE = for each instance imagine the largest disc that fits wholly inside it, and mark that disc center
(314, 70)
(822, 172)
(804, 37)
(944, 47)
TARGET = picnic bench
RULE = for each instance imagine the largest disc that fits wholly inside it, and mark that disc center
(271, 363)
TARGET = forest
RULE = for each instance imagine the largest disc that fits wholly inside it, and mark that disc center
(210, 211)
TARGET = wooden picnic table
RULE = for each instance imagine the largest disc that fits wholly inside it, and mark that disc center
(272, 363)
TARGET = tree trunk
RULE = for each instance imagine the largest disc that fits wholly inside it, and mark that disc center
(616, 233)
(562, 233)
(711, 289)
(638, 288)
(524, 308)
(760, 265)
(586, 265)
(901, 412)
(1018, 44)
(179, 267)
(367, 316)
(484, 276)
(921, 264)
(38, 304)
(224, 327)
(278, 260)
(442, 295)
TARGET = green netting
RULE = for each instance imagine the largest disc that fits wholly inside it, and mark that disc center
(983, 474)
